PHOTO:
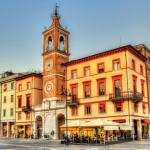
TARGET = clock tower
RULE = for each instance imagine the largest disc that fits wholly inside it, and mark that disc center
(55, 53)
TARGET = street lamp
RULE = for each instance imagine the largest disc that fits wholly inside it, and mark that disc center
(66, 93)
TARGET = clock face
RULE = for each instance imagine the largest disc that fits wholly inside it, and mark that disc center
(48, 87)
(49, 65)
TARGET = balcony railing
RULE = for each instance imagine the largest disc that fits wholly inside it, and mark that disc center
(26, 108)
(136, 97)
(74, 102)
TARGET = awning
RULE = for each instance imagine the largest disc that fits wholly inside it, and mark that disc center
(90, 123)
(120, 120)
(146, 121)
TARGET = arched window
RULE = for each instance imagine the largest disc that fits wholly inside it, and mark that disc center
(61, 43)
(49, 44)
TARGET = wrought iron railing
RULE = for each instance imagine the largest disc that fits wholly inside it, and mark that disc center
(126, 95)
(26, 108)
(73, 102)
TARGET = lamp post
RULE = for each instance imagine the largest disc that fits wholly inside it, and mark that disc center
(66, 93)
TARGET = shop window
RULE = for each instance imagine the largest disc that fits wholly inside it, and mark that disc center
(4, 112)
(87, 89)
(19, 102)
(12, 98)
(133, 64)
(88, 109)
(5, 99)
(19, 115)
(144, 108)
(101, 68)
(102, 107)
(74, 74)
(141, 69)
(28, 85)
(118, 107)
(116, 64)
(28, 116)
(11, 112)
(86, 71)
(74, 111)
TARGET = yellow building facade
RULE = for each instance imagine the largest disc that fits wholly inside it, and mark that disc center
(111, 86)
(8, 93)
(28, 95)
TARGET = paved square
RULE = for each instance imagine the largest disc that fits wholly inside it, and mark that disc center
(15, 144)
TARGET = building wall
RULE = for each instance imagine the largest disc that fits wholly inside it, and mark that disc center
(124, 71)
(8, 104)
(36, 97)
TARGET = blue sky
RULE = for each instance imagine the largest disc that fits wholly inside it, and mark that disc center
(94, 25)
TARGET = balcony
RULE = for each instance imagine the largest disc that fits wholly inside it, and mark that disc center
(26, 108)
(136, 97)
(73, 102)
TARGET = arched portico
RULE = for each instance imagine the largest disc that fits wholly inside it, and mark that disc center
(60, 121)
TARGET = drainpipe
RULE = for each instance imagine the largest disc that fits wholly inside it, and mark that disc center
(127, 85)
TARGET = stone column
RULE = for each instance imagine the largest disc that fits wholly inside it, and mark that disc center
(8, 129)
(148, 131)
(139, 129)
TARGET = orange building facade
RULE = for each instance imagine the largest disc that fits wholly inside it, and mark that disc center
(28, 94)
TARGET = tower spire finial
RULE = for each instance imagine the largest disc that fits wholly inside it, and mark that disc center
(56, 10)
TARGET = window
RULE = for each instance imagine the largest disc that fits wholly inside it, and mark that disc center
(102, 107)
(5, 88)
(12, 98)
(74, 74)
(19, 102)
(4, 112)
(20, 87)
(116, 64)
(88, 109)
(49, 43)
(74, 92)
(100, 68)
(101, 83)
(28, 100)
(117, 85)
(28, 85)
(19, 115)
(28, 116)
(12, 85)
(87, 89)
(136, 107)
(142, 87)
(4, 99)
(144, 108)
(61, 43)
(141, 69)
(118, 107)
(133, 64)
(134, 78)
(11, 111)
(74, 111)
(86, 71)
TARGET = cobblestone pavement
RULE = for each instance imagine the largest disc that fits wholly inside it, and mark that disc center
(14, 144)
